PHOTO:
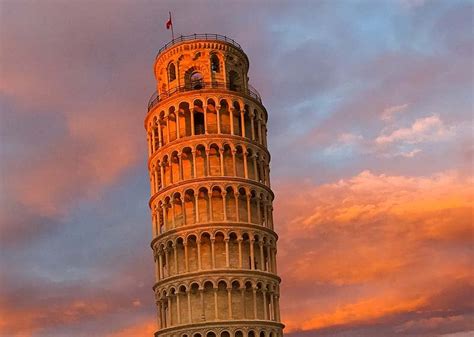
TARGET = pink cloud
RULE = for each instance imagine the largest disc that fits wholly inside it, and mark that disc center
(364, 237)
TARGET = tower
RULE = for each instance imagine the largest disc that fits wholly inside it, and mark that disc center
(213, 242)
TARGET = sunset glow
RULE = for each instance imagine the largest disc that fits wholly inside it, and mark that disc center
(370, 135)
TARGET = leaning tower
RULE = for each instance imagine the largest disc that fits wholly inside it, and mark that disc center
(213, 243)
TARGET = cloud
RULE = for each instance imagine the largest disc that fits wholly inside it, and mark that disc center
(429, 128)
(364, 237)
(388, 113)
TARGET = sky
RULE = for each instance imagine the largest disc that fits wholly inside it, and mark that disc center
(370, 131)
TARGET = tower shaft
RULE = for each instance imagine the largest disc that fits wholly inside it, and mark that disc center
(213, 243)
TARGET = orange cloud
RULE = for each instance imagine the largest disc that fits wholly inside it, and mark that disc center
(378, 245)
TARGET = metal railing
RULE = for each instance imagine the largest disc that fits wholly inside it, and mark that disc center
(191, 37)
(156, 98)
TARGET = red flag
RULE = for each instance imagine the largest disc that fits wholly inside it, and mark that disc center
(169, 23)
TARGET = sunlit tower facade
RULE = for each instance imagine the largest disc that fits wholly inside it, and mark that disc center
(213, 244)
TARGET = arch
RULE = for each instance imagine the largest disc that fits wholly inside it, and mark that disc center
(184, 114)
(187, 163)
(214, 161)
(198, 113)
(254, 207)
(242, 205)
(172, 125)
(225, 334)
(211, 116)
(256, 123)
(251, 161)
(228, 161)
(201, 161)
(247, 122)
(178, 210)
(171, 72)
(189, 207)
(192, 253)
(222, 299)
(203, 205)
(224, 117)
(206, 251)
(235, 82)
(233, 251)
(215, 63)
(236, 119)
(239, 161)
(230, 204)
(197, 80)
(217, 204)
(175, 169)
(219, 250)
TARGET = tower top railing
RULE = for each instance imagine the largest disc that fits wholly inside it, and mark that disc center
(210, 37)
(158, 97)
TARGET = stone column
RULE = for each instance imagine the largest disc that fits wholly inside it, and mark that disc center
(160, 263)
(246, 172)
(262, 260)
(203, 313)
(175, 253)
(190, 315)
(213, 257)
(186, 262)
(198, 243)
(239, 241)
(178, 308)
(227, 259)
(204, 108)
(229, 301)
(216, 309)
(242, 121)
(252, 258)
(193, 152)
(237, 214)
(254, 292)
(221, 157)
(218, 119)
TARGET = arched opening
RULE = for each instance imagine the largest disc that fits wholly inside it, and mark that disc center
(251, 333)
(189, 205)
(237, 120)
(247, 122)
(197, 81)
(217, 206)
(163, 129)
(178, 210)
(243, 209)
(228, 161)
(214, 161)
(172, 125)
(234, 81)
(225, 334)
(239, 162)
(246, 258)
(206, 251)
(219, 250)
(233, 251)
(236, 301)
(239, 333)
(174, 167)
(201, 161)
(166, 171)
(203, 205)
(192, 253)
(222, 300)
(254, 200)
(211, 116)
(184, 120)
(171, 72)
(210, 333)
(187, 163)
(198, 111)
(230, 205)
(251, 164)
(224, 115)
(255, 126)
(215, 64)
(249, 312)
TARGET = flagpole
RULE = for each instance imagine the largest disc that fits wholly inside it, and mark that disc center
(172, 31)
